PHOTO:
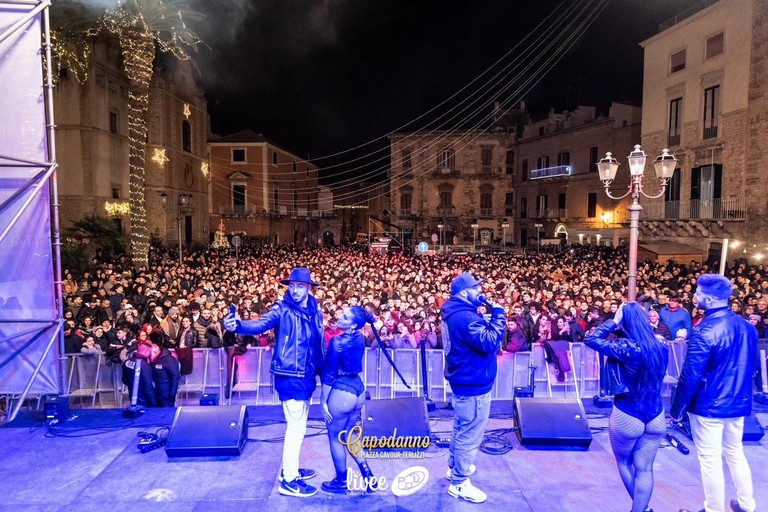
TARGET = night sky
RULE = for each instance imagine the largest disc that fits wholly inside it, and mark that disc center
(323, 77)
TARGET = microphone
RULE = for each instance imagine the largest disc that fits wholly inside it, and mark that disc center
(674, 441)
(232, 309)
(484, 300)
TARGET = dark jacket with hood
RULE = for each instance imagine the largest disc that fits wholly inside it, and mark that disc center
(471, 343)
(166, 374)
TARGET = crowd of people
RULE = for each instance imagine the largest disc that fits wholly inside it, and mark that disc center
(112, 307)
(137, 316)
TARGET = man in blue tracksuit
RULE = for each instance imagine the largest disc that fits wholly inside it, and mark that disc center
(471, 343)
(296, 362)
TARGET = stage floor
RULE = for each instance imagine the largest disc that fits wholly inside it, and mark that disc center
(94, 465)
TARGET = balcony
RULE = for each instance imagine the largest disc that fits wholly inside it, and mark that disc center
(239, 210)
(710, 132)
(406, 212)
(732, 208)
(446, 172)
(551, 172)
(446, 211)
(551, 213)
(492, 212)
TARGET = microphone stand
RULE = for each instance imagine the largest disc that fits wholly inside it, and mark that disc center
(424, 380)
(134, 410)
(602, 401)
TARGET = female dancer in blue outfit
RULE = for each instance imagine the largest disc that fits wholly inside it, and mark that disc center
(343, 393)
(637, 422)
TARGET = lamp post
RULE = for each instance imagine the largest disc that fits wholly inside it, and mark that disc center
(504, 226)
(440, 228)
(665, 168)
(183, 207)
(475, 225)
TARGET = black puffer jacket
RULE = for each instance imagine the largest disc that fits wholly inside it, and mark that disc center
(716, 379)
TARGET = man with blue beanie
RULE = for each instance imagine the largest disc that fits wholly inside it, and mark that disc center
(471, 342)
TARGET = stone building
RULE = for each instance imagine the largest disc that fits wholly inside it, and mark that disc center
(556, 190)
(451, 184)
(705, 97)
(92, 144)
(263, 190)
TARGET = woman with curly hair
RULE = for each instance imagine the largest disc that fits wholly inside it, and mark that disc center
(635, 368)
(343, 394)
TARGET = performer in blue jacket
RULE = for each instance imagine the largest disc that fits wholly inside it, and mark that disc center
(471, 344)
(635, 368)
(715, 388)
(296, 362)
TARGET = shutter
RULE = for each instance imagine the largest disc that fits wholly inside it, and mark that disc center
(695, 183)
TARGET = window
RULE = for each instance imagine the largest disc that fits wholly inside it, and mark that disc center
(714, 46)
(672, 197)
(446, 195)
(510, 163)
(593, 159)
(115, 192)
(446, 198)
(677, 62)
(486, 200)
(295, 201)
(509, 203)
(706, 187)
(592, 205)
(564, 158)
(445, 162)
(524, 169)
(486, 159)
(238, 155)
(406, 200)
(405, 156)
(274, 158)
(294, 166)
(541, 130)
(542, 162)
(561, 203)
(238, 198)
(113, 122)
(276, 197)
(523, 207)
(542, 201)
(711, 108)
(675, 113)
(186, 136)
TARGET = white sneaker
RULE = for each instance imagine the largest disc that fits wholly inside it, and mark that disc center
(472, 469)
(466, 491)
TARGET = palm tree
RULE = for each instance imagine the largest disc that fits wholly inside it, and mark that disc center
(142, 26)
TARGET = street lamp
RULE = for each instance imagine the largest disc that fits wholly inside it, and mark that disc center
(183, 207)
(475, 225)
(504, 226)
(665, 169)
(440, 228)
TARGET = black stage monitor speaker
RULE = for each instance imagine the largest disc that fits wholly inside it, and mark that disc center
(408, 416)
(552, 422)
(753, 430)
(203, 431)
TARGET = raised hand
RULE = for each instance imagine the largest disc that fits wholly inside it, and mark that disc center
(232, 321)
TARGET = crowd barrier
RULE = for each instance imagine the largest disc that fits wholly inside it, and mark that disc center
(95, 382)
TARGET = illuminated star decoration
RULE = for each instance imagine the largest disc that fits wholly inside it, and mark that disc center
(187, 111)
(204, 169)
(159, 156)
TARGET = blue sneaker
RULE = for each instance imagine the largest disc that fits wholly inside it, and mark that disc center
(304, 474)
(297, 488)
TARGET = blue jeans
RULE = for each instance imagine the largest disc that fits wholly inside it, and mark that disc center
(470, 416)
